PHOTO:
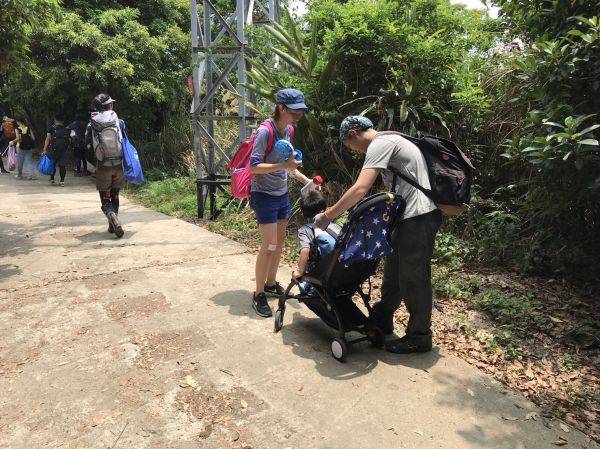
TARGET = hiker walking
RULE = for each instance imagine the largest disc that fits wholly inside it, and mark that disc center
(104, 134)
(78, 128)
(56, 147)
(25, 144)
(7, 135)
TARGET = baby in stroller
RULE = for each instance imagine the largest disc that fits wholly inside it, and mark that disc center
(313, 243)
(328, 285)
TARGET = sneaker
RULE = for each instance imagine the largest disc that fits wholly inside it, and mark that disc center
(31, 178)
(62, 183)
(18, 176)
(113, 221)
(274, 290)
(78, 174)
(260, 305)
(52, 181)
(405, 345)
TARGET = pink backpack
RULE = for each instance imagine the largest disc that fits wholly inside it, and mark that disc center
(239, 165)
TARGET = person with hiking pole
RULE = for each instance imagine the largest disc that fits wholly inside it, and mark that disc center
(407, 271)
(269, 192)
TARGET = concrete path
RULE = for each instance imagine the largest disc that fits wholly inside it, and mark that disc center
(150, 342)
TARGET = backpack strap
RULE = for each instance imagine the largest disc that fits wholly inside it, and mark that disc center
(396, 173)
(267, 124)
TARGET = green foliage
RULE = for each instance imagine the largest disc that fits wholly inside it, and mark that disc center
(138, 55)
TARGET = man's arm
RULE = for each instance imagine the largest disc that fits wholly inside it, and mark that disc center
(366, 179)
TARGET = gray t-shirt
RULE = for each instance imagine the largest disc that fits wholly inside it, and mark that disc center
(405, 157)
(306, 234)
(274, 183)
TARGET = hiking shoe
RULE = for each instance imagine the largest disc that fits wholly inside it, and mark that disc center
(405, 345)
(260, 305)
(274, 290)
(113, 221)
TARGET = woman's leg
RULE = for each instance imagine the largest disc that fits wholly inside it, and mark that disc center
(29, 160)
(63, 172)
(268, 248)
(276, 257)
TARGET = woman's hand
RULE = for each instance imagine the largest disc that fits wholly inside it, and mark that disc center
(291, 163)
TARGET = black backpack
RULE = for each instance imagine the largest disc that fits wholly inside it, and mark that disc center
(26, 142)
(80, 128)
(60, 140)
(450, 173)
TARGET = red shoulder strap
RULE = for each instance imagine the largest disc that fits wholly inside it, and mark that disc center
(269, 126)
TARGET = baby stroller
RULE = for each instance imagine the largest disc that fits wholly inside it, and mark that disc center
(333, 280)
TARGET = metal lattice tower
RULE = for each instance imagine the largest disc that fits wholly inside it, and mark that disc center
(218, 56)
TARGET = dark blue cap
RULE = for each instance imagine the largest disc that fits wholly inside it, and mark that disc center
(291, 98)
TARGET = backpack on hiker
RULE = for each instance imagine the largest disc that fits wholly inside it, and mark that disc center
(8, 130)
(450, 173)
(78, 129)
(239, 165)
(60, 142)
(106, 137)
(26, 142)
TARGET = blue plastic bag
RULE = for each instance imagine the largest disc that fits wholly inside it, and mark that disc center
(45, 165)
(132, 169)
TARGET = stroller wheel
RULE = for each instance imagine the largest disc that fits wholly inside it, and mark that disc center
(278, 320)
(339, 349)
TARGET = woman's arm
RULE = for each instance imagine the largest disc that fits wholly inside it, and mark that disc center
(264, 167)
(46, 142)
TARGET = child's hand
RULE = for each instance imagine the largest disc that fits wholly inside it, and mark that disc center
(292, 164)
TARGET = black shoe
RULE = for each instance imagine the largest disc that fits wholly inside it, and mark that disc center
(114, 222)
(274, 290)
(260, 305)
(404, 345)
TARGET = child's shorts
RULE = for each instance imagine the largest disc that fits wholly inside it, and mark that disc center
(269, 208)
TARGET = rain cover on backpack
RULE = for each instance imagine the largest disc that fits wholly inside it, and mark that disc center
(106, 136)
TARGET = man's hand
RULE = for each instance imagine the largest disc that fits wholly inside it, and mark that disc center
(321, 221)
(296, 274)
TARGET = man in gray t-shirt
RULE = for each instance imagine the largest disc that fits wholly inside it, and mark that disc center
(407, 272)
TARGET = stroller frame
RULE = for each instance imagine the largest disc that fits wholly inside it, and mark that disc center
(333, 304)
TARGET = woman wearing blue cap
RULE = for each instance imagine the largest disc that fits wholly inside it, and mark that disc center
(269, 192)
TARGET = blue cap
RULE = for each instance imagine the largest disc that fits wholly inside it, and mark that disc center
(291, 98)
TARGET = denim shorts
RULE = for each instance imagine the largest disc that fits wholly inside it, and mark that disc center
(269, 208)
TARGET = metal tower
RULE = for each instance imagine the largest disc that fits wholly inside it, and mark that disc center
(218, 57)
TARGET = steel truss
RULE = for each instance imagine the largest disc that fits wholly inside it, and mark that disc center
(218, 56)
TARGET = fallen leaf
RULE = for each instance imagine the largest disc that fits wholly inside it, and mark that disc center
(244, 403)
(418, 432)
(560, 442)
(564, 427)
(190, 381)
(532, 415)
(510, 418)
(471, 392)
